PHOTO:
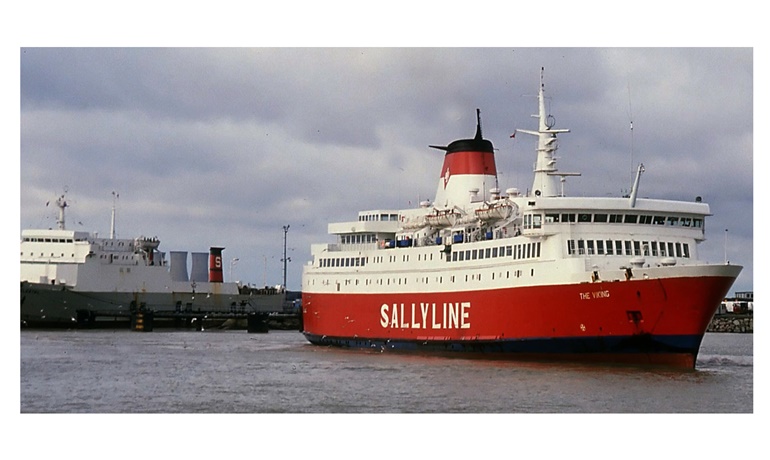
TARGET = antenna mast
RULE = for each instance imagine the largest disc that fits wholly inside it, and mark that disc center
(545, 183)
(61, 203)
(112, 219)
(631, 123)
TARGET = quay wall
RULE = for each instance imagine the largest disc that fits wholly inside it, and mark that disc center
(732, 323)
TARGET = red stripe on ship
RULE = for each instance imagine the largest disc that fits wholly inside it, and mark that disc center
(469, 162)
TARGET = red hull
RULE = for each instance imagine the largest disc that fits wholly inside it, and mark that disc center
(552, 319)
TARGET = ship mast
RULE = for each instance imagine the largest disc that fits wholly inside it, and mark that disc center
(61, 203)
(546, 181)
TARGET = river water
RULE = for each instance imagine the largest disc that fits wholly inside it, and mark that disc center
(231, 372)
(117, 371)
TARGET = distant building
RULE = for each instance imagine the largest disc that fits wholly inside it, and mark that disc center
(747, 296)
(742, 303)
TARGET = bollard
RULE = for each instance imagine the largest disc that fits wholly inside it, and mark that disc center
(142, 321)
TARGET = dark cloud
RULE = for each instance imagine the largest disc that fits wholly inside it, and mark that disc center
(226, 145)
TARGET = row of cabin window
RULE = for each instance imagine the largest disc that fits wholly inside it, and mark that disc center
(48, 240)
(358, 238)
(378, 218)
(535, 220)
(518, 251)
(629, 248)
(32, 254)
(343, 262)
(116, 257)
(361, 261)
(438, 279)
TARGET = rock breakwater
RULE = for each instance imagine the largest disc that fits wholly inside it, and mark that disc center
(732, 323)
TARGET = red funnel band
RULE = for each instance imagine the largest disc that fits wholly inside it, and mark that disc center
(215, 265)
(469, 162)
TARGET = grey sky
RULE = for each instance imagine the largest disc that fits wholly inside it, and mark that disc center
(224, 146)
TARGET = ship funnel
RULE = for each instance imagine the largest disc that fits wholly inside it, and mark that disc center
(199, 273)
(215, 265)
(468, 164)
(179, 266)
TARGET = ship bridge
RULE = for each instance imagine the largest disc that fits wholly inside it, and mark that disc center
(538, 214)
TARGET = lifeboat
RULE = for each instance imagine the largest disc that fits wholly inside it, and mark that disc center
(497, 211)
(443, 218)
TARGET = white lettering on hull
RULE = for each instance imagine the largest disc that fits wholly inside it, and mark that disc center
(594, 295)
(452, 315)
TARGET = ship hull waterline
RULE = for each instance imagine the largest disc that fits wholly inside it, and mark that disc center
(646, 321)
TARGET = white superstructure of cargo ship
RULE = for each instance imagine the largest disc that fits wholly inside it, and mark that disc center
(70, 276)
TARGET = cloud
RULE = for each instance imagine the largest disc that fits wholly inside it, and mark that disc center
(224, 146)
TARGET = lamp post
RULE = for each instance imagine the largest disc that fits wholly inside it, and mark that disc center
(233, 262)
(725, 246)
(285, 259)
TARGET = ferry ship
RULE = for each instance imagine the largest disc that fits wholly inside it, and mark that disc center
(76, 279)
(535, 275)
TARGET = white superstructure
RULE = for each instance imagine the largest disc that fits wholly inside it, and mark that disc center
(474, 236)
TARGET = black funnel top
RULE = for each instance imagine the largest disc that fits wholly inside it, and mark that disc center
(477, 144)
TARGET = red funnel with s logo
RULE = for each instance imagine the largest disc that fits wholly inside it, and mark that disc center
(215, 265)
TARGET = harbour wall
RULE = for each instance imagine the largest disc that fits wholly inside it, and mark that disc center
(732, 323)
